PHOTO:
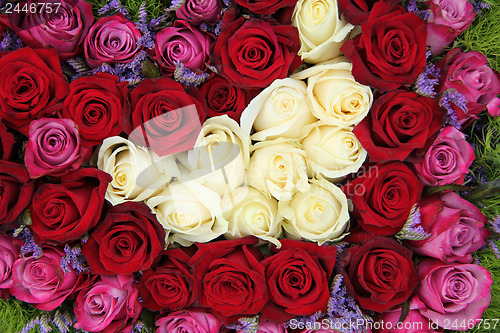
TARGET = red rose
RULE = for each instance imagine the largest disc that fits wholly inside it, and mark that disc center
(391, 49)
(68, 207)
(297, 278)
(380, 273)
(169, 286)
(265, 7)
(358, 11)
(168, 117)
(225, 98)
(383, 197)
(398, 123)
(6, 142)
(96, 104)
(16, 191)
(32, 85)
(230, 277)
(129, 239)
(253, 53)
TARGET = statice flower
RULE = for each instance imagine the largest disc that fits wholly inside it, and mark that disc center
(10, 42)
(493, 247)
(412, 6)
(29, 246)
(449, 97)
(43, 323)
(428, 79)
(479, 6)
(113, 6)
(188, 77)
(75, 259)
(246, 325)
(413, 230)
(147, 40)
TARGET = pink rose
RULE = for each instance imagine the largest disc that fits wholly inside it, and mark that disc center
(188, 321)
(111, 39)
(448, 19)
(53, 148)
(184, 44)
(110, 304)
(469, 74)
(63, 29)
(9, 251)
(447, 160)
(414, 323)
(198, 11)
(455, 292)
(456, 227)
(42, 282)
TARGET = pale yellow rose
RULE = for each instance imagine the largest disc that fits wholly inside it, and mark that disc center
(137, 173)
(190, 212)
(278, 168)
(319, 215)
(322, 31)
(254, 214)
(333, 151)
(335, 97)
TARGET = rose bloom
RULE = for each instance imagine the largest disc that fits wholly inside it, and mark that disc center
(414, 323)
(112, 39)
(68, 207)
(195, 321)
(53, 148)
(391, 50)
(42, 282)
(379, 273)
(280, 110)
(137, 174)
(333, 151)
(334, 95)
(7, 142)
(469, 74)
(278, 168)
(109, 305)
(447, 160)
(128, 239)
(9, 252)
(170, 285)
(297, 276)
(196, 11)
(62, 27)
(254, 214)
(447, 20)
(96, 104)
(399, 123)
(224, 98)
(265, 7)
(182, 43)
(253, 53)
(454, 292)
(358, 11)
(383, 197)
(32, 85)
(189, 212)
(321, 214)
(322, 30)
(456, 228)
(164, 116)
(17, 191)
(230, 277)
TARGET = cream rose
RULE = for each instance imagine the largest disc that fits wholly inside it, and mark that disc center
(254, 214)
(190, 212)
(278, 168)
(320, 215)
(137, 173)
(220, 157)
(333, 151)
(280, 110)
(335, 97)
(322, 31)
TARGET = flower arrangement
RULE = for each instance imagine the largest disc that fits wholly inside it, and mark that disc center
(284, 166)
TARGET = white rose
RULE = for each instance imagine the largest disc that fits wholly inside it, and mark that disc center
(138, 173)
(254, 214)
(320, 215)
(280, 110)
(220, 157)
(278, 168)
(335, 97)
(322, 31)
(333, 151)
(190, 212)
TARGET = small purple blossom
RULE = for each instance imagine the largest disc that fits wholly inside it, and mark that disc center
(452, 96)
(428, 79)
(186, 76)
(60, 322)
(113, 6)
(43, 323)
(10, 42)
(413, 230)
(247, 325)
(175, 4)
(479, 6)
(412, 6)
(23, 233)
(147, 39)
(493, 247)
(138, 326)
(495, 224)
(75, 258)
(307, 321)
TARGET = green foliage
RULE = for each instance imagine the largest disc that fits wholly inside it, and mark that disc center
(15, 314)
(154, 8)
